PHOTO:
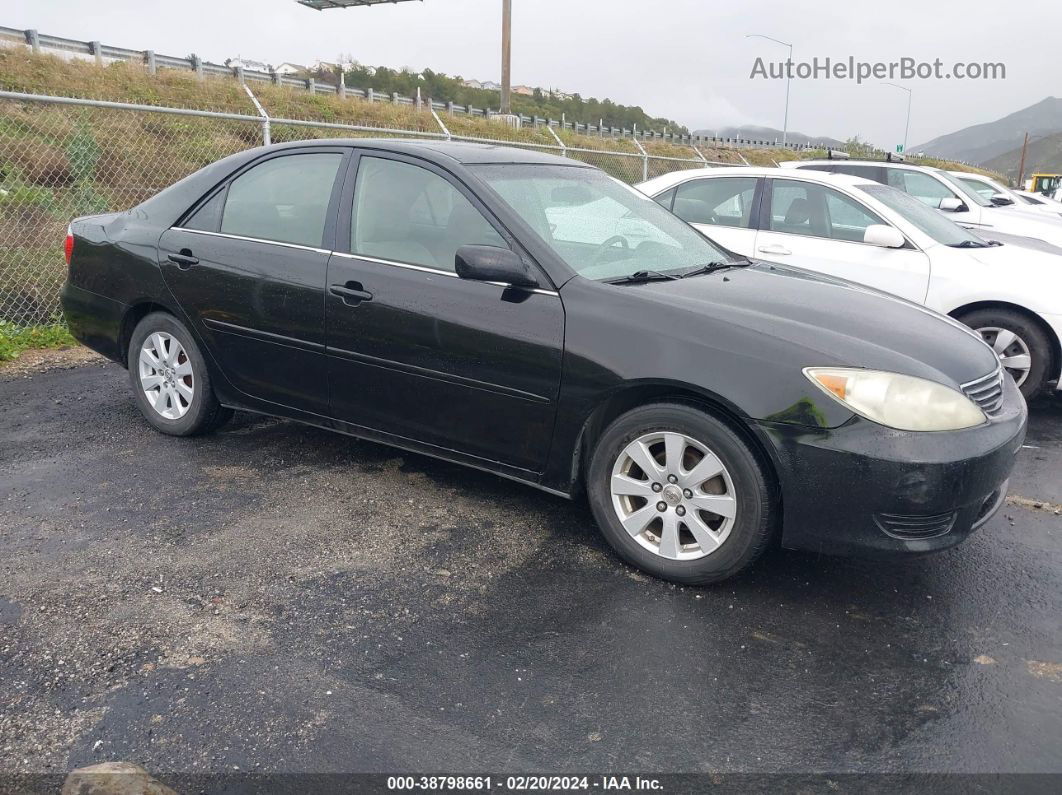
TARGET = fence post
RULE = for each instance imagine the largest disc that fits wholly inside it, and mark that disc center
(370, 94)
(266, 136)
(197, 66)
(342, 83)
(274, 75)
(394, 97)
(239, 75)
(431, 107)
(311, 85)
(149, 59)
(564, 149)
(645, 155)
(693, 146)
(97, 50)
(33, 39)
(418, 101)
(450, 107)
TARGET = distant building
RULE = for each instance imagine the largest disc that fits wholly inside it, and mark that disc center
(527, 91)
(490, 85)
(558, 94)
(290, 68)
(472, 84)
(248, 65)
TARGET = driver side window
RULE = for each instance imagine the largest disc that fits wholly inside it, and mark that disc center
(720, 201)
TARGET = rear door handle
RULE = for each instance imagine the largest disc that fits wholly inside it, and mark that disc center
(184, 260)
(774, 248)
(351, 293)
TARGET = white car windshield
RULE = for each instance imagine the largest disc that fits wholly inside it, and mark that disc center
(928, 220)
(965, 189)
(600, 227)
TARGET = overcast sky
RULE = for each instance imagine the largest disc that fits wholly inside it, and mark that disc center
(686, 59)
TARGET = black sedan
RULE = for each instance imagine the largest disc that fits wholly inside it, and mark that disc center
(531, 316)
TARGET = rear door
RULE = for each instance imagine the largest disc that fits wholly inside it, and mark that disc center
(721, 207)
(418, 352)
(248, 268)
(821, 229)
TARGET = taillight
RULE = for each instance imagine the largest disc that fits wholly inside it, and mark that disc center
(68, 245)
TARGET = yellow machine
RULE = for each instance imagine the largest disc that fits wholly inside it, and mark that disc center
(1046, 184)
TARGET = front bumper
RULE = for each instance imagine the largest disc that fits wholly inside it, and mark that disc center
(864, 489)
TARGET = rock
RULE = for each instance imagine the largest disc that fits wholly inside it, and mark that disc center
(984, 659)
(113, 778)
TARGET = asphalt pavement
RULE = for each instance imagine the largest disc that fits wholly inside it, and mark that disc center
(276, 598)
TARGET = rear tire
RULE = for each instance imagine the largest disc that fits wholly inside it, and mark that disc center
(672, 522)
(1017, 340)
(170, 379)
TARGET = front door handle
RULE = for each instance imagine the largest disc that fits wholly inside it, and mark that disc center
(774, 248)
(184, 260)
(351, 293)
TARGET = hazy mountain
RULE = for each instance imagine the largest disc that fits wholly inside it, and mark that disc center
(768, 134)
(983, 142)
(1044, 155)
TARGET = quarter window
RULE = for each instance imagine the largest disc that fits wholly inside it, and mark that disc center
(406, 213)
(804, 208)
(283, 199)
(720, 201)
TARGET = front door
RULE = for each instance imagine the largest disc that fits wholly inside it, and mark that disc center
(820, 229)
(248, 268)
(724, 208)
(417, 352)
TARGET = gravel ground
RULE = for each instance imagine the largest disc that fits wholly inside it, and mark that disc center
(277, 598)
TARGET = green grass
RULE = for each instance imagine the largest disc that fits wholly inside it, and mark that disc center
(16, 339)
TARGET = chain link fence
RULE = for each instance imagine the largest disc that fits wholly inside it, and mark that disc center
(62, 157)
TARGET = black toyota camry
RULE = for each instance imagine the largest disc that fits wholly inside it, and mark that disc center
(531, 316)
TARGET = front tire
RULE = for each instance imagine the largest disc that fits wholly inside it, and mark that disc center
(1022, 346)
(679, 495)
(171, 382)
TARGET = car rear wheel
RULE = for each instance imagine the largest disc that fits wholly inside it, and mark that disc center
(170, 379)
(678, 494)
(1022, 346)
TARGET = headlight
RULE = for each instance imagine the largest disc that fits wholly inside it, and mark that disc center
(898, 401)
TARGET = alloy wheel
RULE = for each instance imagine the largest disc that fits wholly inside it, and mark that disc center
(1012, 350)
(166, 375)
(673, 495)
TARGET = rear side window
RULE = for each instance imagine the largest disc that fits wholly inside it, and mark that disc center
(665, 199)
(409, 214)
(208, 217)
(283, 199)
(720, 201)
(876, 173)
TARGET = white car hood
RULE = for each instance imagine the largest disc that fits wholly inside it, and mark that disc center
(1038, 271)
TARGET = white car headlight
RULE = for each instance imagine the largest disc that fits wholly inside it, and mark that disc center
(898, 401)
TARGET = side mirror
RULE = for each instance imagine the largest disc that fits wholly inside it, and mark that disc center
(951, 205)
(1001, 199)
(493, 264)
(884, 236)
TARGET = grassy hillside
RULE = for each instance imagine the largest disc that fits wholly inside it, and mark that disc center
(1043, 155)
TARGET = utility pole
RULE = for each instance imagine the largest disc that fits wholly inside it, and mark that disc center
(506, 86)
(788, 80)
(1021, 167)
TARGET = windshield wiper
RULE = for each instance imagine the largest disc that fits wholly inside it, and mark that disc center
(641, 277)
(970, 244)
(712, 267)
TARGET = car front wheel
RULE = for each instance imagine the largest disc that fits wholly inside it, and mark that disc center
(170, 380)
(678, 494)
(1022, 346)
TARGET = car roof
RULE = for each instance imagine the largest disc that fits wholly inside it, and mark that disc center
(465, 152)
(838, 161)
(675, 177)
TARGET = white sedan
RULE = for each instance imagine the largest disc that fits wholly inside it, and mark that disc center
(1003, 196)
(874, 234)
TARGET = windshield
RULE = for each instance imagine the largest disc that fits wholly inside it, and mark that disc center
(965, 189)
(930, 221)
(984, 189)
(600, 227)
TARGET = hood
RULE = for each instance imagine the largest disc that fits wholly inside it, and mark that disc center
(816, 320)
(1017, 222)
